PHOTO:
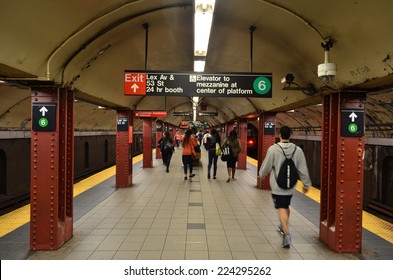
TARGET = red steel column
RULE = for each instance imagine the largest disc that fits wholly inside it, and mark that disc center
(124, 140)
(242, 134)
(266, 138)
(159, 134)
(328, 161)
(52, 166)
(66, 174)
(147, 141)
(342, 172)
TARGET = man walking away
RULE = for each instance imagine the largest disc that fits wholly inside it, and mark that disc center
(275, 157)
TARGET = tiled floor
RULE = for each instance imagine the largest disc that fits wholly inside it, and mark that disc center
(162, 216)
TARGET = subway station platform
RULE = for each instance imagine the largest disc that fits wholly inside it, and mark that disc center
(162, 216)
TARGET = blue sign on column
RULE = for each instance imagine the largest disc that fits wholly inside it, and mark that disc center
(44, 117)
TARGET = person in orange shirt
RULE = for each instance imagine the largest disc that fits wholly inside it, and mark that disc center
(188, 143)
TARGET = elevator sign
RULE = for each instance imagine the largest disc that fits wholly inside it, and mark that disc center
(352, 122)
(198, 84)
(44, 117)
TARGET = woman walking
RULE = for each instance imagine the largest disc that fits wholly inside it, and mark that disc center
(211, 145)
(233, 142)
(188, 143)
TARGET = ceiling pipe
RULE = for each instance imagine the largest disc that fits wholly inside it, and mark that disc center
(146, 27)
(252, 29)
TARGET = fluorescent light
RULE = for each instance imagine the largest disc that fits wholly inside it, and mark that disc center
(199, 65)
(202, 33)
(194, 114)
(195, 100)
(203, 19)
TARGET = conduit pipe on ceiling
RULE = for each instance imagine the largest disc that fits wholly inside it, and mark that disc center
(252, 29)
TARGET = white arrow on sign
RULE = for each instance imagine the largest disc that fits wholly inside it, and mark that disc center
(353, 116)
(43, 110)
(134, 87)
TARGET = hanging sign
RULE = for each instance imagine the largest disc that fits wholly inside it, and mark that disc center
(209, 114)
(150, 114)
(198, 84)
(181, 114)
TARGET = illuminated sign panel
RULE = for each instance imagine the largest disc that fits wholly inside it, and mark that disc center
(198, 84)
(150, 114)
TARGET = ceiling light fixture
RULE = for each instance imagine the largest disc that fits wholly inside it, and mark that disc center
(203, 19)
(199, 65)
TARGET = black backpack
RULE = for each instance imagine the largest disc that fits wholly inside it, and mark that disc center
(211, 143)
(168, 146)
(287, 175)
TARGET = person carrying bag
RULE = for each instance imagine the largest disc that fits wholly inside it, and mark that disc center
(231, 148)
(212, 142)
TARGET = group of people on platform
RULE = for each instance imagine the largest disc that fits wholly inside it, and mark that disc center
(191, 145)
(275, 157)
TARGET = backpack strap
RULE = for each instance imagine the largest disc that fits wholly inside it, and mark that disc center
(284, 152)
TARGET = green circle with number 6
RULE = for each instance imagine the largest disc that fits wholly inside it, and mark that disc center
(43, 122)
(353, 128)
(262, 85)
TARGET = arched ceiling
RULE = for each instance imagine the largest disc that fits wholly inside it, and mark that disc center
(87, 45)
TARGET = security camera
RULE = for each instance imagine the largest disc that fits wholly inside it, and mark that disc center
(327, 71)
(287, 79)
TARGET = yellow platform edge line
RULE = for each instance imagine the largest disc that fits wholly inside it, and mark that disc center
(17, 218)
(21, 216)
(370, 222)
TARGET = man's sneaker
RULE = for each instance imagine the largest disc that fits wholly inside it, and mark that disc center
(286, 241)
(280, 230)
